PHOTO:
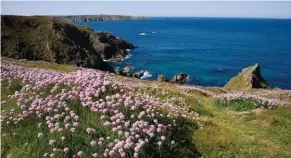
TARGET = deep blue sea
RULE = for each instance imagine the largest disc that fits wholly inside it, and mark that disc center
(210, 50)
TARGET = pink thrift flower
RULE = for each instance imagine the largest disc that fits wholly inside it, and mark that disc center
(93, 143)
(52, 142)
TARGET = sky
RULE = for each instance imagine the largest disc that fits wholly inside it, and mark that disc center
(249, 9)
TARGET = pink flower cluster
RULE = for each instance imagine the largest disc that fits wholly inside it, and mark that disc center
(114, 101)
(265, 102)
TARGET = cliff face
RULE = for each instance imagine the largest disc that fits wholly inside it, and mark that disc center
(48, 39)
(249, 78)
(87, 18)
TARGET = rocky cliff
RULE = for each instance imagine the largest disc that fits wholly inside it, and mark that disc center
(91, 18)
(249, 78)
(48, 39)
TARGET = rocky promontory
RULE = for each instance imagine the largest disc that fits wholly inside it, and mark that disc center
(92, 18)
(249, 78)
(48, 39)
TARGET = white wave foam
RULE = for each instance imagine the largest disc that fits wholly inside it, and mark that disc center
(146, 74)
(153, 32)
(142, 34)
(117, 69)
(189, 78)
(128, 50)
(127, 57)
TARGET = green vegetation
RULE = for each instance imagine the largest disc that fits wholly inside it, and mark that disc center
(236, 105)
(231, 134)
(43, 65)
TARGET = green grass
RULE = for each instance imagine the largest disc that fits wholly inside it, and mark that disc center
(9, 89)
(245, 134)
(42, 65)
(235, 105)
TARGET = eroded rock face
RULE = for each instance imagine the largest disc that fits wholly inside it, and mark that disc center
(249, 78)
(162, 78)
(179, 78)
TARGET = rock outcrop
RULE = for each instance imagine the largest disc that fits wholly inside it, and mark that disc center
(162, 78)
(126, 71)
(48, 39)
(249, 78)
(109, 47)
(179, 78)
(92, 18)
(139, 74)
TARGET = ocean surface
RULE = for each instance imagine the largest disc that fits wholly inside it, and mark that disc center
(210, 50)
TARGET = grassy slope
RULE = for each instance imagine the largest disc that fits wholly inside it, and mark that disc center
(226, 131)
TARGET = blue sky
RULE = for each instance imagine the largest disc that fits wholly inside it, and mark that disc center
(150, 8)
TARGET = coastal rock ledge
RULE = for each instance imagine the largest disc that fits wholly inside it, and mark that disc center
(249, 78)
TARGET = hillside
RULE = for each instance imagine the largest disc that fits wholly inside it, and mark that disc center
(48, 39)
(93, 18)
(54, 110)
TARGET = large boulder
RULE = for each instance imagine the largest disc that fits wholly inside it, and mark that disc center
(249, 78)
(179, 78)
(162, 78)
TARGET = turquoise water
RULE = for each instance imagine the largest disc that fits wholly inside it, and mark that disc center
(210, 50)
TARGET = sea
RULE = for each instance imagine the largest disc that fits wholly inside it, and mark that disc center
(210, 50)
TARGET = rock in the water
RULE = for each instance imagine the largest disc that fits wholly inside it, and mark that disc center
(249, 78)
(139, 74)
(179, 78)
(162, 78)
(126, 71)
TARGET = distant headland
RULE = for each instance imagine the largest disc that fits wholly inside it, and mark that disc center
(102, 17)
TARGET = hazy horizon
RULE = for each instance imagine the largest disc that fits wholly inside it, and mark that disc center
(230, 9)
